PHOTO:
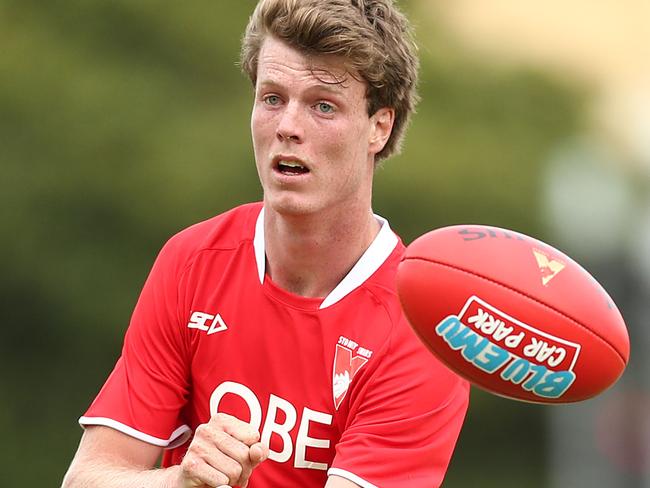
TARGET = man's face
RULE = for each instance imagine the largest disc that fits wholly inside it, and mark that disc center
(313, 139)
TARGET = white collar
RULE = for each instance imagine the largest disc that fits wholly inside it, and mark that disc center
(376, 254)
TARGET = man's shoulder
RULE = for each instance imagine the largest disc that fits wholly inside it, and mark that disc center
(224, 231)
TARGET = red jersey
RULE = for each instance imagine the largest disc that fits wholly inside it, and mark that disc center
(338, 386)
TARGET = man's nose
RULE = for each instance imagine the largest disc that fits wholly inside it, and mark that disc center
(290, 124)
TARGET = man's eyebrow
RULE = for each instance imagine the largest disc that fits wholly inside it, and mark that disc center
(331, 87)
(334, 88)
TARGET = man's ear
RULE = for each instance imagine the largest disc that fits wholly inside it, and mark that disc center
(382, 127)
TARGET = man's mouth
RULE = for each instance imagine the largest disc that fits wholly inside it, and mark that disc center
(291, 167)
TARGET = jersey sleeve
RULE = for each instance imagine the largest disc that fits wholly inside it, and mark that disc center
(148, 388)
(404, 422)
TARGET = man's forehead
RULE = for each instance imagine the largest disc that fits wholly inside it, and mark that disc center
(318, 75)
(277, 57)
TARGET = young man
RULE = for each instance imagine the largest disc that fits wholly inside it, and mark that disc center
(273, 330)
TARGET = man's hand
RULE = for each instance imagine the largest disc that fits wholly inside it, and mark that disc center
(224, 452)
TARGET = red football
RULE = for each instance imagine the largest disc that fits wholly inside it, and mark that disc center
(512, 314)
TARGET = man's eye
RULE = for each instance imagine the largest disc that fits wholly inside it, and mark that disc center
(325, 107)
(272, 100)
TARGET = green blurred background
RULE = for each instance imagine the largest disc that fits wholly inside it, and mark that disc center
(123, 122)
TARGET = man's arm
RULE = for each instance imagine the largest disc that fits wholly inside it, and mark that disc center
(223, 452)
(109, 458)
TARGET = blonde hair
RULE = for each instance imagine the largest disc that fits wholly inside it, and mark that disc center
(373, 36)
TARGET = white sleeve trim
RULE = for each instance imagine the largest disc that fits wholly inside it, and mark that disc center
(350, 476)
(178, 437)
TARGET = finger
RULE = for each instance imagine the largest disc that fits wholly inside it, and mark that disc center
(230, 446)
(238, 429)
(217, 450)
(197, 473)
(241, 453)
(210, 440)
(232, 469)
(231, 437)
(233, 448)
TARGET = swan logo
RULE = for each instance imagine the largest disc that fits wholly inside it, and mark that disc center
(348, 360)
(548, 267)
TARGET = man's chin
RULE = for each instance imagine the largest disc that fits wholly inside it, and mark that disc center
(290, 206)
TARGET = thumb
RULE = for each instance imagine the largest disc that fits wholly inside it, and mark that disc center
(257, 453)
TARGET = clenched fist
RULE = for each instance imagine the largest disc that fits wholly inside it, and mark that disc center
(224, 452)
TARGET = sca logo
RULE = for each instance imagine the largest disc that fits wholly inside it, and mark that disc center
(206, 322)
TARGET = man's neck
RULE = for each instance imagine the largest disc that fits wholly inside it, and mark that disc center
(310, 255)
